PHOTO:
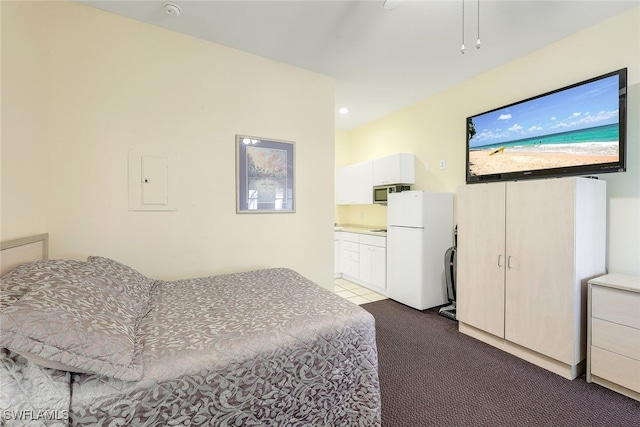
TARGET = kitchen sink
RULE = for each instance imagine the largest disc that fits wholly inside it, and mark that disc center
(378, 230)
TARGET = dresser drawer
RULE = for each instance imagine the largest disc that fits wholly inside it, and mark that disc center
(617, 338)
(616, 306)
(615, 368)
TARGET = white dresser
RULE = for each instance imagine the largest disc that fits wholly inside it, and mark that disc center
(613, 333)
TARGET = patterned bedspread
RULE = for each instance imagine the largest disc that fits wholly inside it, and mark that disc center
(266, 347)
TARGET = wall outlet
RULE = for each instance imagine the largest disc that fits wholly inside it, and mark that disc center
(443, 164)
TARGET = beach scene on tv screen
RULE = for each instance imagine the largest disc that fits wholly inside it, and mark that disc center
(573, 127)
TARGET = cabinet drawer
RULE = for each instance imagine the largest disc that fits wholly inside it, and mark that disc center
(353, 257)
(615, 368)
(373, 240)
(351, 237)
(350, 246)
(616, 306)
(616, 338)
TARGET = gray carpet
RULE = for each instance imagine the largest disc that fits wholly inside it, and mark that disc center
(432, 375)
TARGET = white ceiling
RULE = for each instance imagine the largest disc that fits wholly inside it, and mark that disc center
(381, 59)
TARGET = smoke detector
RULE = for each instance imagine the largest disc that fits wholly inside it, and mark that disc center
(171, 8)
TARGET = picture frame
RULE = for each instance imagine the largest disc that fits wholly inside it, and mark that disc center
(264, 175)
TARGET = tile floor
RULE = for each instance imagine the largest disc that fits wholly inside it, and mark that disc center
(356, 293)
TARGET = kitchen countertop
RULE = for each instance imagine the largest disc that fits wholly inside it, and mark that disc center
(370, 230)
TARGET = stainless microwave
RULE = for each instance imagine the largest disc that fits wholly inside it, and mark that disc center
(380, 193)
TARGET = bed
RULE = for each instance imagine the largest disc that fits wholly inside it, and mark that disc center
(97, 343)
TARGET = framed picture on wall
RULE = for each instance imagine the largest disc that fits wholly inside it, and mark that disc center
(264, 175)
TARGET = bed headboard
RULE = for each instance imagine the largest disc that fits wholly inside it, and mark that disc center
(18, 251)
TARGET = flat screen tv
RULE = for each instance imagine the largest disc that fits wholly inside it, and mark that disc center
(576, 130)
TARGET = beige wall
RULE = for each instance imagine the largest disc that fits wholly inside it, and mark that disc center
(23, 173)
(81, 87)
(434, 129)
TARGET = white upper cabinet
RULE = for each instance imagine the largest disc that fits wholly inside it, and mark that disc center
(394, 169)
(353, 184)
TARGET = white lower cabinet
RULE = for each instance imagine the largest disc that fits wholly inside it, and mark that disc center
(363, 260)
(337, 245)
(373, 261)
(350, 255)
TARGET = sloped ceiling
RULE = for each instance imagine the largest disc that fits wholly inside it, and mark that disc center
(382, 57)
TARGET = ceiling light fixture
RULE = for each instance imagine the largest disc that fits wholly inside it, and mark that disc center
(171, 8)
(462, 49)
(343, 110)
(478, 39)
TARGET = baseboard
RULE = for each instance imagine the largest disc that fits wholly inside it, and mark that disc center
(615, 387)
(566, 371)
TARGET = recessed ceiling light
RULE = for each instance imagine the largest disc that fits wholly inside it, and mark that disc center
(343, 110)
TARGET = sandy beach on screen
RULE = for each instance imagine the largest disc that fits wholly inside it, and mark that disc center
(482, 163)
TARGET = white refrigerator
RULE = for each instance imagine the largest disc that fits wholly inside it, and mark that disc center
(419, 232)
